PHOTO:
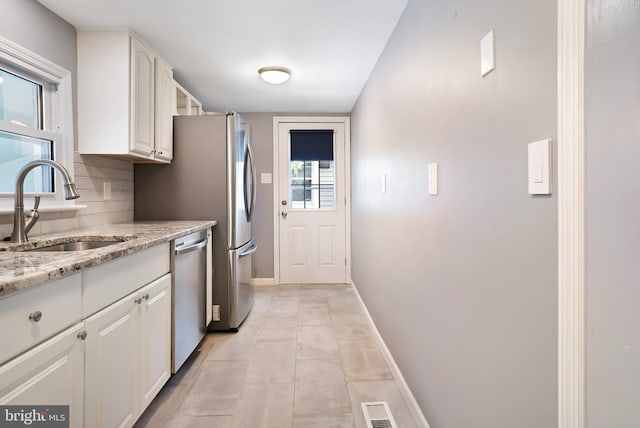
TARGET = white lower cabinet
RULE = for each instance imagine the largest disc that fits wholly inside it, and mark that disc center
(155, 340)
(113, 360)
(128, 355)
(52, 373)
(111, 365)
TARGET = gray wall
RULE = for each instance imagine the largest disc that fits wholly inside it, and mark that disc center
(31, 25)
(463, 285)
(262, 138)
(613, 213)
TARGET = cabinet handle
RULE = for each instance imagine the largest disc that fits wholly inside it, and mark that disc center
(35, 316)
(138, 300)
(82, 335)
(146, 296)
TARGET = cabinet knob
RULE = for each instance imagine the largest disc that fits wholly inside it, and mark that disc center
(146, 296)
(35, 316)
(138, 300)
(160, 153)
(82, 335)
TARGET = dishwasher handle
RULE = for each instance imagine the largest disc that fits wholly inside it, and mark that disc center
(198, 245)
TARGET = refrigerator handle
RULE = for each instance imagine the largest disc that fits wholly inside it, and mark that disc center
(252, 249)
(248, 163)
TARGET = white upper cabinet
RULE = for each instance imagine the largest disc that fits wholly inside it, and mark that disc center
(117, 91)
(165, 110)
(142, 98)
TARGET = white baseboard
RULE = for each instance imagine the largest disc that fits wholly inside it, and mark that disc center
(261, 282)
(409, 399)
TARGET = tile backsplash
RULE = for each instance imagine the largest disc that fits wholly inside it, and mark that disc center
(91, 172)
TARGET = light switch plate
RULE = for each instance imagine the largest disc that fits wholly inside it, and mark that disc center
(383, 183)
(487, 54)
(433, 178)
(106, 187)
(266, 178)
(540, 167)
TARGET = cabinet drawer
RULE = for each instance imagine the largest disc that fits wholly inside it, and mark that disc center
(109, 282)
(58, 303)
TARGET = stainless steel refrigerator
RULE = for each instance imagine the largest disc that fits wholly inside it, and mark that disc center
(212, 177)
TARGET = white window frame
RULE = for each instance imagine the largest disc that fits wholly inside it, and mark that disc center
(57, 106)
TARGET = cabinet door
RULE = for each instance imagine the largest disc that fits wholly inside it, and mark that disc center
(142, 98)
(155, 340)
(49, 374)
(111, 364)
(165, 109)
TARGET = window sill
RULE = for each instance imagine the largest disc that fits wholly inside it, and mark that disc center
(49, 208)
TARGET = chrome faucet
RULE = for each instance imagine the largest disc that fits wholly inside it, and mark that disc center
(21, 225)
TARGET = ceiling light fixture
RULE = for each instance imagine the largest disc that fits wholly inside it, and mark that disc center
(274, 75)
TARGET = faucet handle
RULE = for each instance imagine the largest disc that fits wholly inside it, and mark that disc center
(33, 216)
(36, 203)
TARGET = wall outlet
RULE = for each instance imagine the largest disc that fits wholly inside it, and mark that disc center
(106, 195)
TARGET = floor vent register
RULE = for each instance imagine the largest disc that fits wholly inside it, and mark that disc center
(378, 415)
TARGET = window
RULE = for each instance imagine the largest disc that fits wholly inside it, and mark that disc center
(21, 105)
(311, 169)
(35, 123)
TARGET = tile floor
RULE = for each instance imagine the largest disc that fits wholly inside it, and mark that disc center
(305, 357)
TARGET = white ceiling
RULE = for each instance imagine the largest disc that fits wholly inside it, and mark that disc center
(216, 46)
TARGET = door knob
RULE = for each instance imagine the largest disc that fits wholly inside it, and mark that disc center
(284, 214)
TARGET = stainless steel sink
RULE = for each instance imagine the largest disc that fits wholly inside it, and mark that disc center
(74, 243)
(75, 246)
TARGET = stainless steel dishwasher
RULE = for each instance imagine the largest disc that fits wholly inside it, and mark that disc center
(189, 267)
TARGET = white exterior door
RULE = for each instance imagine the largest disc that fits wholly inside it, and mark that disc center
(312, 204)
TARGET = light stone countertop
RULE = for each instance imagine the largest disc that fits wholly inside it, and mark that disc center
(20, 270)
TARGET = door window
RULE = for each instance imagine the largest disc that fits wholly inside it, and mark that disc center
(311, 170)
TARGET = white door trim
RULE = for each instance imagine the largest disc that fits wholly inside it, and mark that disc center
(571, 233)
(277, 120)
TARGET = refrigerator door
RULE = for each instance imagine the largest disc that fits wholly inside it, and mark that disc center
(240, 288)
(241, 181)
